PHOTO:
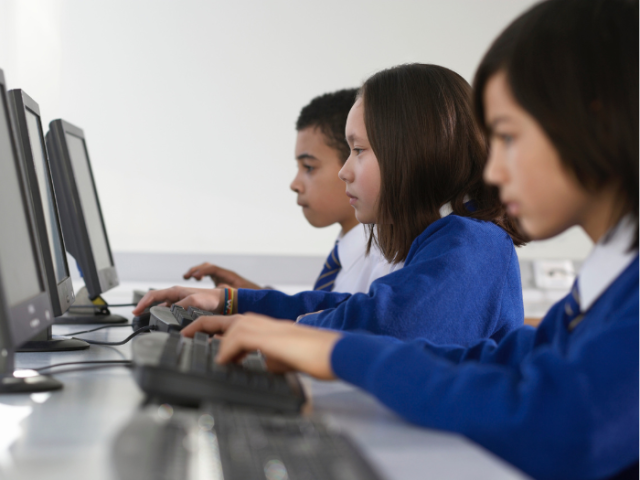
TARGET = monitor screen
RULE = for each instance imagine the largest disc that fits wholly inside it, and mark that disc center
(88, 200)
(19, 271)
(46, 194)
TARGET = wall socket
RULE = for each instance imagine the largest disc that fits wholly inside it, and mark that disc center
(554, 274)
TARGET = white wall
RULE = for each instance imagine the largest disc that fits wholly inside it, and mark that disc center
(189, 106)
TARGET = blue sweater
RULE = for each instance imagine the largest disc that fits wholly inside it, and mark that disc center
(558, 405)
(460, 283)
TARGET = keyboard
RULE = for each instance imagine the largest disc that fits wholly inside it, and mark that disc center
(173, 368)
(176, 318)
(231, 443)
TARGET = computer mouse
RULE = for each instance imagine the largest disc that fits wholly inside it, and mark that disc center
(141, 320)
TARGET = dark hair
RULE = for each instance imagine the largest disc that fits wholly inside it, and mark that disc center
(573, 66)
(420, 124)
(329, 113)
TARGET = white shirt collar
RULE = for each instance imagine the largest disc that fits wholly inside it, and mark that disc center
(606, 262)
(352, 245)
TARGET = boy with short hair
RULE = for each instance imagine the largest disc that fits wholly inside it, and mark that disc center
(321, 151)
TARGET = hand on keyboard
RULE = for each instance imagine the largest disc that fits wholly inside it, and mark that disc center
(204, 298)
(285, 345)
(221, 276)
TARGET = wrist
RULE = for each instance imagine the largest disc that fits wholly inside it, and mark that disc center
(229, 301)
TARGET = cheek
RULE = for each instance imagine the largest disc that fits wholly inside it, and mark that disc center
(371, 179)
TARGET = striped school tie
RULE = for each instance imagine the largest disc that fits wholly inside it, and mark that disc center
(572, 308)
(329, 271)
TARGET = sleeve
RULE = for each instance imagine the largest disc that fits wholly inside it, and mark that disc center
(280, 305)
(421, 299)
(554, 413)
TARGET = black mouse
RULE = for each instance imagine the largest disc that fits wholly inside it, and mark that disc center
(141, 320)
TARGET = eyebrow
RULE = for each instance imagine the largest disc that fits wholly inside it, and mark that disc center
(498, 120)
(306, 156)
(353, 138)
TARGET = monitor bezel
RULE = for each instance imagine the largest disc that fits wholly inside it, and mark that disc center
(74, 226)
(29, 317)
(64, 295)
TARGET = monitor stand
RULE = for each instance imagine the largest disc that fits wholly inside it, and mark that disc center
(87, 311)
(46, 342)
(32, 383)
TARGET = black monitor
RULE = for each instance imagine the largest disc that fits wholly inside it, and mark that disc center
(25, 307)
(83, 225)
(45, 213)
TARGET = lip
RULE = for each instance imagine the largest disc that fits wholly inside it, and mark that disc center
(513, 207)
(352, 198)
(303, 205)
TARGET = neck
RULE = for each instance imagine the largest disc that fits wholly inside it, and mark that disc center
(602, 214)
(348, 224)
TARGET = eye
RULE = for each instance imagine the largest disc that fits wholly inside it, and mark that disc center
(308, 168)
(357, 151)
(505, 138)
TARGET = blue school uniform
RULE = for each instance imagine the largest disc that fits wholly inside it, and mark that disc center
(559, 402)
(460, 283)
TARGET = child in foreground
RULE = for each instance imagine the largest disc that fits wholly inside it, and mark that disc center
(415, 171)
(558, 93)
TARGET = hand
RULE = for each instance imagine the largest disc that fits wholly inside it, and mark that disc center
(220, 276)
(204, 298)
(285, 345)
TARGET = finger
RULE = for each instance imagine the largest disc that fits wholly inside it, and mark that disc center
(192, 270)
(210, 325)
(169, 294)
(240, 338)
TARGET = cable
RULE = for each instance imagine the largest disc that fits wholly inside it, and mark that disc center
(55, 365)
(137, 332)
(95, 367)
(106, 305)
(97, 328)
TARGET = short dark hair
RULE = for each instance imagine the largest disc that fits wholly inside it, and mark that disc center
(420, 124)
(329, 113)
(573, 66)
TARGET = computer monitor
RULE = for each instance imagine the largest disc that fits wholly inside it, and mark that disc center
(31, 139)
(25, 307)
(45, 213)
(83, 225)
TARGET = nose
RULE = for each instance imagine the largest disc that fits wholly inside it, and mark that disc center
(296, 184)
(346, 173)
(495, 172)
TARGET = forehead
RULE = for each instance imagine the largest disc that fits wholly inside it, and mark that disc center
(312, 142)
(498, 99)
(355, 121)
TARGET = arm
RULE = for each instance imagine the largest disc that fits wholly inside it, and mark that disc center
(456, 260)
(555, 414)
(281, 305)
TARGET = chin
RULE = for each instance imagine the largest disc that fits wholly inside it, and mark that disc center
(317, 222)
(540, 230)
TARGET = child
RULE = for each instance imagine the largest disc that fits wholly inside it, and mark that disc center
(416, 155)
(558, 92)
(321, 150)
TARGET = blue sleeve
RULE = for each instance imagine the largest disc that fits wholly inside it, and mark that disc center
(555, 413)
(459, 285)
(280, 305)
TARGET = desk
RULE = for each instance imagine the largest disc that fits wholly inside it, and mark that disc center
(68, 434)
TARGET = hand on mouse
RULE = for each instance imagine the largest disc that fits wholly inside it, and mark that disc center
(285, 345)
(204, 298)
(220, 276)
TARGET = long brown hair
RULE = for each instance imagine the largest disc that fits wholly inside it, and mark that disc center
(421, 127)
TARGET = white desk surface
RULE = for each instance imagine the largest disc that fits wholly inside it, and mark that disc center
(68, 434)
